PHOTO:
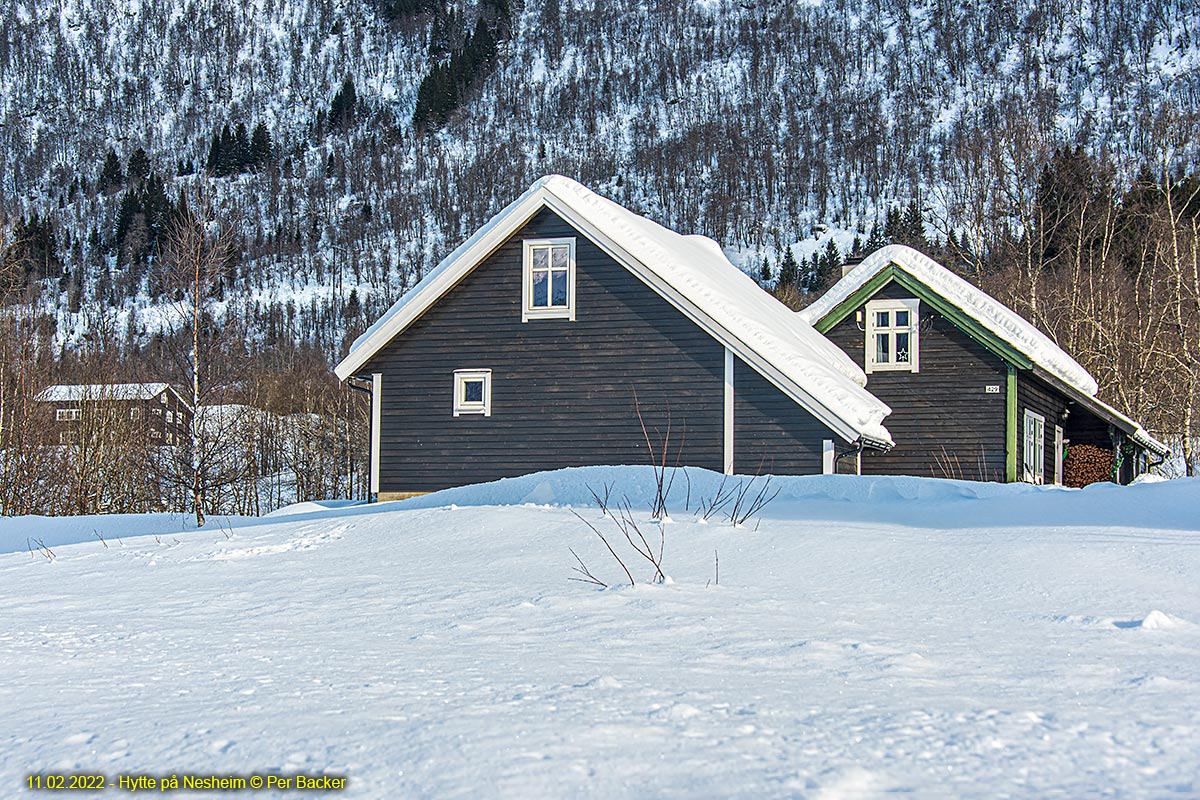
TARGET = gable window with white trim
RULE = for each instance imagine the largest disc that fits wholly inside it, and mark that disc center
(548, 279)
(473, 392)
(1035, 448)
(892, 342)
(66, 414)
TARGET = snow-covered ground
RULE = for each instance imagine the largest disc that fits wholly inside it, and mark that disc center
(868, 635)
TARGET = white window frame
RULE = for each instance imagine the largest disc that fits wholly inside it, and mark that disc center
(913, 307)
(528, 310)
(1035, 447)
(66, 415)
(462, 406)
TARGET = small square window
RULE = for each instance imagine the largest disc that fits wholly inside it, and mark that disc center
(548, 279)
(473, 392)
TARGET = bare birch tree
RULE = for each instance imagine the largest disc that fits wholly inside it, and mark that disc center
(196, 254)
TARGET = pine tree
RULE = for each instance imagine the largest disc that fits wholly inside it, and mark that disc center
(353, 307)
(828, 267)
(156, 205)
(483, 48)
(228, 162)
(912, 227)
(213, 162)
(341, 109)
(129, 212)
(439, 34)
(111, 180)
(765, 272)
(807, 271)
(876, 240)
(241, 145)
(138, 168)
(260, 147)
(789, 270)
(893, 226)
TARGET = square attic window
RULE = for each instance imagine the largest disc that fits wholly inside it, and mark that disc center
(473, 392)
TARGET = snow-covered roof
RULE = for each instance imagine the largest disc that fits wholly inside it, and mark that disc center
(973, 301)
(1136, 432)
(992, 315)
(693, 274)
(73, 393)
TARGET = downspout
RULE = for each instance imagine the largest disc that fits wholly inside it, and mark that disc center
(855, 450)
(356, 387)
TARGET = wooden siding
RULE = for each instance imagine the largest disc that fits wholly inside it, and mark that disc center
(1035, 396)
(562, 391)
(151, 420)
(772, 434)
(1080, 427)
(943, 421)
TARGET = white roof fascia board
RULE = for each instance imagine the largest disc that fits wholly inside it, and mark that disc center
(442, 279)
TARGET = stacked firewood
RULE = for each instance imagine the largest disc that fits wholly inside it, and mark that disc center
(1086, 464)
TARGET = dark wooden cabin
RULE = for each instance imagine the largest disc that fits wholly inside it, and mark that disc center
(570, 331)
(153, 412)
(976, 391)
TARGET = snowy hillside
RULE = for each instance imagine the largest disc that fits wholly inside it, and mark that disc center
(867, 635)
(749, 123)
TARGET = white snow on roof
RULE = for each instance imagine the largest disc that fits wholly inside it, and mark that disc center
(976, 303)
(748, 319)
(64, 393)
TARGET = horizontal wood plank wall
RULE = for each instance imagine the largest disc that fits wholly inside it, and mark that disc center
(1035, 396)
(772, 433)
(1080, 427)
(562, 391)
(943, 421)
